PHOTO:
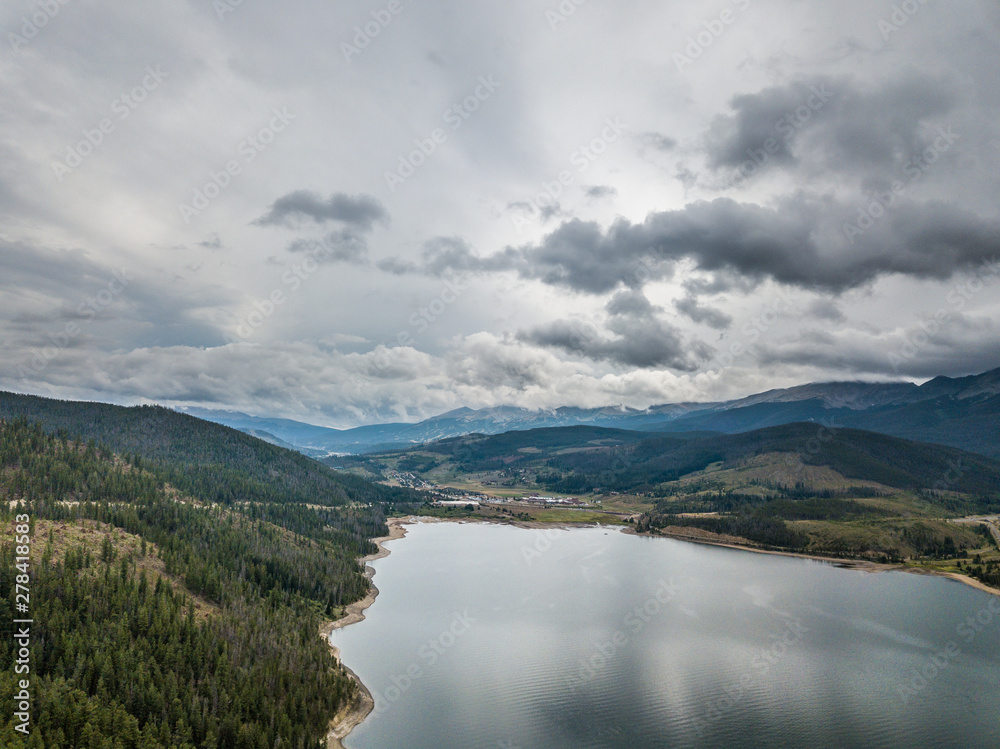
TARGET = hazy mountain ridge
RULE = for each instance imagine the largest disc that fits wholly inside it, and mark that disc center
(959, 412)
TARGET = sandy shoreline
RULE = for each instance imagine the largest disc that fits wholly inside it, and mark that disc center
(862, 565)
(361, 706)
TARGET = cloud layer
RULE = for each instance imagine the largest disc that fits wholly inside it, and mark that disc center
(200, 212)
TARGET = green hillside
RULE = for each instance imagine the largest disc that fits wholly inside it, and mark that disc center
(584, 459)
(200, 458)
(179, 573)
(855, 454)
(162, 621)
(484, 452)
(522, 449)
(843, 493)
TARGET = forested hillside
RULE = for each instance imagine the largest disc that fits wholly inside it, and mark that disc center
(191, 624)
(580, 460)
(207, 460)
(852, 453)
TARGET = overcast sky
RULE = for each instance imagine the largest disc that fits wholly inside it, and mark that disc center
(358, 212)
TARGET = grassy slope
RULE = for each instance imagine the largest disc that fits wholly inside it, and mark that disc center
(853, 453)
(619, 460)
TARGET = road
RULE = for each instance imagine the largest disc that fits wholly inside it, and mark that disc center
(990, 521)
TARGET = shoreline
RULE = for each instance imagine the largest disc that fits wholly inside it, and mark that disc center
(355, 712)
(862, 565)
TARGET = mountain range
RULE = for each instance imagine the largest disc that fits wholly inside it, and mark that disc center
(577, 460)
(959, 412)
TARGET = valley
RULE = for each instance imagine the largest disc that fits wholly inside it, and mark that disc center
(800, 488)
(958, 412)
(217, 538)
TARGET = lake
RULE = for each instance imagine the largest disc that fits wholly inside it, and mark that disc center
(491, 636)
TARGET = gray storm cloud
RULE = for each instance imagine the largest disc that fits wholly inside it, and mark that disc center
(800, 242)
(296, 208)
(805, 154)
(636, 334)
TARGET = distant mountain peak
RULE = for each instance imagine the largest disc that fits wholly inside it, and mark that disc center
(894, 407)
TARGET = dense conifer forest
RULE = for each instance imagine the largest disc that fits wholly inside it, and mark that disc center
(206, 460)
(193, 622)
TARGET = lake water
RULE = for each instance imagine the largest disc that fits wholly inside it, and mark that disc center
(489, 636)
